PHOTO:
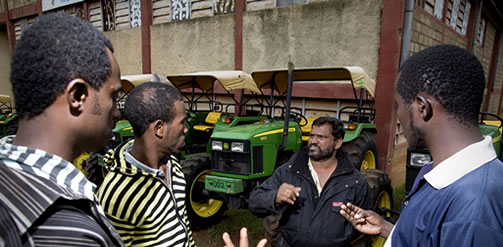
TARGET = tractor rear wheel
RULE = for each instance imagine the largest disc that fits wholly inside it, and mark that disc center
(95, 172)
(362, 151)
(202, 210)
(382, 197)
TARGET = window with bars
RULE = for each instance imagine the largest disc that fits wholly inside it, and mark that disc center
(457, 16)
(481, 31)
(433, 7)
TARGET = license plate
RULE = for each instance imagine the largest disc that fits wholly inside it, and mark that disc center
(223, 184)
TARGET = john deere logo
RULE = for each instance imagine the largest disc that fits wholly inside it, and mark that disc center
(226, 145)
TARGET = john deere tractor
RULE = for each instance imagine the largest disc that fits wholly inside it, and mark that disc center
(245, 150)
(210, 98)
(8, 119)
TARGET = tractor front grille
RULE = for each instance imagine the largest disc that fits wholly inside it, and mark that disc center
(231, 162)
(258, 161)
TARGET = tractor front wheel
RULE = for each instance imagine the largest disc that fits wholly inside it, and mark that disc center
(362, 151)
(381, 193)
(202, 210)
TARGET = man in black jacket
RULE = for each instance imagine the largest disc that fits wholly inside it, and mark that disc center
(309, 189)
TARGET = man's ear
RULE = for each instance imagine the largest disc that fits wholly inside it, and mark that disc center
(159, 129)
(338, 142)
(425, 108)
(76, 93)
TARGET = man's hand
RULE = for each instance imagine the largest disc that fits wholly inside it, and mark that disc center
(243, 239)
(287, 193)
(366, 221)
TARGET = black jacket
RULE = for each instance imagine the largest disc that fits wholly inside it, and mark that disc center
(313, 220)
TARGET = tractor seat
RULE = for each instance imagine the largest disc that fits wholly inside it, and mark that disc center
(212, 119)
(306, 129)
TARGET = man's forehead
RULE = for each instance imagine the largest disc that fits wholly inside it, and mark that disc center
(323, 128)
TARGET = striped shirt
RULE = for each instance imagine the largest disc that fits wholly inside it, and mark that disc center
(145, 209)
(45, 200)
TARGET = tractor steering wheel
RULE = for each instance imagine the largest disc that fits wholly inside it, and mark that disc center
(299, 118)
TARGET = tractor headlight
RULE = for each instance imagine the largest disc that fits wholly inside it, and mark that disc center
(216, 145)
(237, 147)
(418, 159)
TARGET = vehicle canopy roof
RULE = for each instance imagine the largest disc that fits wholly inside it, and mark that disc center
(5, 99)
(130, 81)
(355, 74)
(229, 79)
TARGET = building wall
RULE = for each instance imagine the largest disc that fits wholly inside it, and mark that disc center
(127, 49)
(5, 86)
(323, 34)
(428, 31)
(200, 44)
(498, 88)
(304, 34)
(485, 54)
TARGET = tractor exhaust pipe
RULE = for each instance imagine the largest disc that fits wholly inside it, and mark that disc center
(288, 102)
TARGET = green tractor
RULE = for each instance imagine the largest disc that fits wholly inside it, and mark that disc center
(245, 150)
(211, 102)
(8, 119)
(208, 96)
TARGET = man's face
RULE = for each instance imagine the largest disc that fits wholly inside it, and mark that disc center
(322, 144)
(104, 112)
(414, 135)
(175, 138)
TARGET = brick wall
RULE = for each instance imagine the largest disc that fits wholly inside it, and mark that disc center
(484, 53)
(498, 88)
(428, 31)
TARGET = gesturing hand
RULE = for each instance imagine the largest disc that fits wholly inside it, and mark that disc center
(243, 239)
(287, 193)
(366, 221)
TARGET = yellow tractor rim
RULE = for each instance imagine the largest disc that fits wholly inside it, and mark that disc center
(369, 161)
(77, 162)
(208, 208)
(383, 201)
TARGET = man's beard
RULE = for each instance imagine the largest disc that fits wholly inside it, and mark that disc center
(417, 136)
(322, 154)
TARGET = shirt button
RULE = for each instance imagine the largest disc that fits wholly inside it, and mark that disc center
(406, 203)
(298, 172)
(347, 185)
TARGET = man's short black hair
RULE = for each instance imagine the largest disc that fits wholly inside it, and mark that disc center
(56, 49)
(150, 102)
(337, 126)
(454, 76)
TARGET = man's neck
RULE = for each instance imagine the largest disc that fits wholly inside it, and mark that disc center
(146, 153)
(39, 133)
(324, 169)
(447, 141)
(328, 164)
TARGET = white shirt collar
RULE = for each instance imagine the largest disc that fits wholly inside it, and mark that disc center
(461, 163)
(315, 176)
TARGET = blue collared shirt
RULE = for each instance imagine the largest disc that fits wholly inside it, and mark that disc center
(457, 203)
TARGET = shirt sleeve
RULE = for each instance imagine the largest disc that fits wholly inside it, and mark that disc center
(67, 226)
(467, 233)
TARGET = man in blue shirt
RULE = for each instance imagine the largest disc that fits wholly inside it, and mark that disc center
(455, 200)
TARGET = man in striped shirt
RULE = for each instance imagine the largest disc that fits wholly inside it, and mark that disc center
(144, 193)
(65, 79)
